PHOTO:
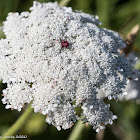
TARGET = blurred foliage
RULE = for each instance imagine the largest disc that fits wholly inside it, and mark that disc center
(118, 15)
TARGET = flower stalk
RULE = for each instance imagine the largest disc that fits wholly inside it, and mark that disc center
(64, 2)
(18, 124)
(76, 134)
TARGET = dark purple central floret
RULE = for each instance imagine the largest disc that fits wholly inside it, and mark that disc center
(65, 44)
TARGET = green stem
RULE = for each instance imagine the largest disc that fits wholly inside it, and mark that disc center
(76, 133)
(18, 124)
(64, 2)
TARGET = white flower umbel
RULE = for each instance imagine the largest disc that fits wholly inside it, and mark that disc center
(60, 59)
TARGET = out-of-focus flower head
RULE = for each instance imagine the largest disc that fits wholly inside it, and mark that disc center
(60, 59)
(132, 90)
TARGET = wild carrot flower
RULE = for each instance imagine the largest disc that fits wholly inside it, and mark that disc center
(60, 59)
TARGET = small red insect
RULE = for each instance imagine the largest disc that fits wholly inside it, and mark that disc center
(65, 44)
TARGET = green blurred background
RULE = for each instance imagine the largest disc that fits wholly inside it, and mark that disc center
(118, 15)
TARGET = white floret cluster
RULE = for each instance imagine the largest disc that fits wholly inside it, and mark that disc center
(56, 79)
(132, 89)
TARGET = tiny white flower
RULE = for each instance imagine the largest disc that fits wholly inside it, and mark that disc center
(8, 106)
